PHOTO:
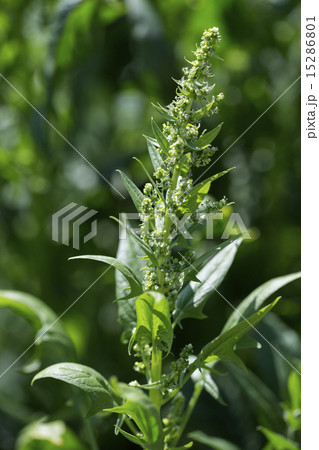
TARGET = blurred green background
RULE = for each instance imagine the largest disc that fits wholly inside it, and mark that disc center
(92, 68)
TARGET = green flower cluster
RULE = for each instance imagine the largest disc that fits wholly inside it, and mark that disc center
(180, 146)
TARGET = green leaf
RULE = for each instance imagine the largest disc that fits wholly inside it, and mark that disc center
(260, 397)
(197, 194)
(208, 137)
(129, 253)
(191, 271)
(184, 447)
(183, 165)
(192, 299)
(277, 441)
(202, 112)
(146, 249)
(88, 380)
(48, 436)
(255, 300)
(294, 388)
(133, 190)
(153, 320)
(212, 442)
(142, 410)
(134, 283)
(164, 112)
(222, 347)
(161, 139)
(203, 378)
(52, 341)
(156, 158)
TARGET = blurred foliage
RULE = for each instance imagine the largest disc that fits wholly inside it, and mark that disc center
(92, 69)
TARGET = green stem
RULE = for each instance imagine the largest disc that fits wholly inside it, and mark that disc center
(191, 405)
(89, 431)
(156, 374)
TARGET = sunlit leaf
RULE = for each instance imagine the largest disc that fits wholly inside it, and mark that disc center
(129, 253)
(142, 410)
(196, 195)
(192, 299)
(133, 190)
(279, 442)
(164, 112)
(208, 137)
(255, 300)
(156, 158)
(161, 139)
(222, 347)
(85, 378)
(153, 320)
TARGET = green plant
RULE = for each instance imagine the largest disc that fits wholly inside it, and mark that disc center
(160, 282)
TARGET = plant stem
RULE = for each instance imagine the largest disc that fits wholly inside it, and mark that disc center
(89, 431)
(156, 373)
(191, 405)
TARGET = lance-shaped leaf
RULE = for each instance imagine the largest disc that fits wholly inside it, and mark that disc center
(164, 112)
(191, 271)
(142, 410)
(202, 112)
(197, 194)
(146, 248)
(207, 138)
(277, 441)
(153, 324)
(83, 377)
(133, 190)
(212, 442)
(183, 165)
(256, 299)
(135, 285)
(161, 139)
(260, 397)
(52, 342)
(156, 158)
(184, 447)
(192, 299)
(222, 347)
(129, 253)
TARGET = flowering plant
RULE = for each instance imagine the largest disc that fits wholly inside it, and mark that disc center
(160, 282)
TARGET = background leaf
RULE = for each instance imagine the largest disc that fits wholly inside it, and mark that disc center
(52, 342)
(212, 442)
(277, 441)
(53, 435)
